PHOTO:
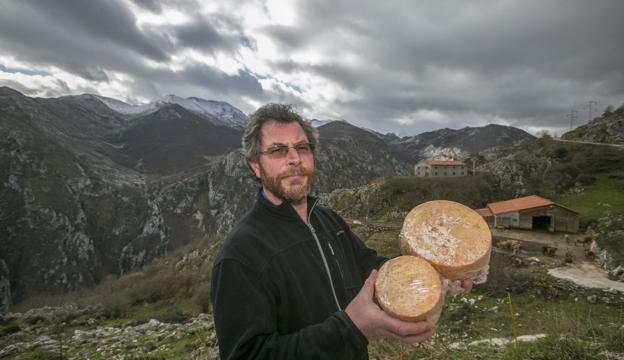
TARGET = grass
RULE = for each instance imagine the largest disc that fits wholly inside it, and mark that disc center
(385, 242)
(605, 196)
(576, 328)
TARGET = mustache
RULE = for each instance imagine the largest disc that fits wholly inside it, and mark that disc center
(296, 171)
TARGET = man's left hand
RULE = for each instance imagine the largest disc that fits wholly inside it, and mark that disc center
(458, 287)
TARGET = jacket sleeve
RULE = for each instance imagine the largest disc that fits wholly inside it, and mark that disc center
(244, 315)
(367, 257)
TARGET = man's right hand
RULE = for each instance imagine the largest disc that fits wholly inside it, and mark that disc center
(374, 323)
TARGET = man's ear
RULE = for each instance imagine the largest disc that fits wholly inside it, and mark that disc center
(255, 167)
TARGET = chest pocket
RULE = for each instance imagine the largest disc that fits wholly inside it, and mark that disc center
(344, 259)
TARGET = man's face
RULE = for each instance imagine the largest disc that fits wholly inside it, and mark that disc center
(287, 177)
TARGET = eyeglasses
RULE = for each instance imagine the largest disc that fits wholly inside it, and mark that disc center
(278, 151)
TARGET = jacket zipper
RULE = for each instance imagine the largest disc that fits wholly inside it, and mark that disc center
(318, 243)
(336, 259)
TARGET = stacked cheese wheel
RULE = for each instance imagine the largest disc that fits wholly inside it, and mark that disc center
(410, 289)
(452, 238)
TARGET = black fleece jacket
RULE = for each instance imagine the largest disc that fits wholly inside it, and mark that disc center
(271, 294)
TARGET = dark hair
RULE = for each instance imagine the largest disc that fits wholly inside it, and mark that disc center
(273, 112)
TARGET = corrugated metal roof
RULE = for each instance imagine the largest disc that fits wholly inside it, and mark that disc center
(443, 162)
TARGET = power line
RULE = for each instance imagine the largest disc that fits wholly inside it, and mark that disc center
(572, 115)
(591, 106)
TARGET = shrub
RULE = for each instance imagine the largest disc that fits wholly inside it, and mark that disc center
(9, 329)
(614, 339)
(586, 179)
(114, 305)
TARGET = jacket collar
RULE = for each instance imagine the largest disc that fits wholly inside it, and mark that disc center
(285, 209)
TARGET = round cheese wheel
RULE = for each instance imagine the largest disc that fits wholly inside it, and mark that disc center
(410, 289)
(455, 239)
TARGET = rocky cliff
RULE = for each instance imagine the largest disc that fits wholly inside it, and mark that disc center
(90, 186)
(87, 191)
(458, 144)
(608, 128)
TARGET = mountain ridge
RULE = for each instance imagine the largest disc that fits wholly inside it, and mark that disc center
(608, 128)
(88, 191)
(218, 112)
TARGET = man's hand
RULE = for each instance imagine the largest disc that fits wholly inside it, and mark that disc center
(458, 287)
(376, 324)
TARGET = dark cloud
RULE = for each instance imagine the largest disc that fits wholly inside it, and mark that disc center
(523, 63)
(202, 35)
(40, 37)
(519, 60)
(243, 84)
(104, 21)
(94, 73)
(154, 6)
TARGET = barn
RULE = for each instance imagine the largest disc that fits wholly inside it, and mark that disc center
(531, 212)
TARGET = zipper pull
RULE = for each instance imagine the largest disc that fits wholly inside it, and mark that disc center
(331, 248)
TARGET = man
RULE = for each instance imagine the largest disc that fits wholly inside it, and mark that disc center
(291, 280)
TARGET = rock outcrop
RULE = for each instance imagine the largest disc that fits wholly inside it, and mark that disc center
(608, 128)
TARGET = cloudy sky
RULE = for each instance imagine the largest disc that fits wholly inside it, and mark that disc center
(393, 66)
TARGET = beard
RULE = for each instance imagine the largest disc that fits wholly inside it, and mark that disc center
(295, 193)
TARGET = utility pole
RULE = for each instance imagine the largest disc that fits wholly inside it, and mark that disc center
(591, 106)
(572, 115)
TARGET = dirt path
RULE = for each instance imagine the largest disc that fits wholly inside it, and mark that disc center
(536, 240)
(588, 275)
(591, 143)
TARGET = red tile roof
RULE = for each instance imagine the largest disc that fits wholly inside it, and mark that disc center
(485, 212)
(443, 162)
(523, 203)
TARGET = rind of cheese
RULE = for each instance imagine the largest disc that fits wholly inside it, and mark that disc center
(455, 239)
(410, 289)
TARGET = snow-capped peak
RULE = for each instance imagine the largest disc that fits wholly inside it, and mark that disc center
(226, 113)
(215, 111)
(125, 108)
(317, 123)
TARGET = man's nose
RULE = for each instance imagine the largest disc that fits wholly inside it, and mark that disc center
(293, 156)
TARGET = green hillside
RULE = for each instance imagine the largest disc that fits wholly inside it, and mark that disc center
(163, 311)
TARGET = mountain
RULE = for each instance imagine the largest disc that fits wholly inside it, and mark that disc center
(457, 144)
(608, 128)
(173, 139)
(59, 192)
(316, 123)
(218, 112)
(88, 191)
(350, 156)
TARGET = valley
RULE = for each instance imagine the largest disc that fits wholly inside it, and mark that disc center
(109, 228)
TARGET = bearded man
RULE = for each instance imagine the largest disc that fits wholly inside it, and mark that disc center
(291, 280)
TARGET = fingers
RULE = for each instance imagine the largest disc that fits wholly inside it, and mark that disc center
(404, 329)
(458, 287)
(410, 332)
(369, 285)
(454, 288)
(418, 338)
